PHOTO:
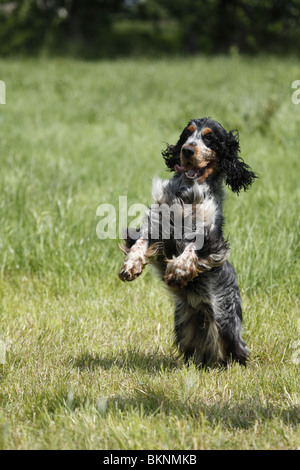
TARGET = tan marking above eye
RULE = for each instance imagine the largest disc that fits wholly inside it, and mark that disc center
(206, 130)
(191, 128)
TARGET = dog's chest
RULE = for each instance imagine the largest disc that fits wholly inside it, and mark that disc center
(194, 202)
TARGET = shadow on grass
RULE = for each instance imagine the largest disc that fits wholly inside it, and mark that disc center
(129, 359)
(149, 401)
(242, 415)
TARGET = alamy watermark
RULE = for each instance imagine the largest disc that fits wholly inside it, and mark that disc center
(158, 222)
(296, 94)
(2, 92)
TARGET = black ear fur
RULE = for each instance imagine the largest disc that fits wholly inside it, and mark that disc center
(171, 156)
(172, 153)
(238, 175)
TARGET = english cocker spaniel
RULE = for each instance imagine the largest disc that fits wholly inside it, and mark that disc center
(182, 236)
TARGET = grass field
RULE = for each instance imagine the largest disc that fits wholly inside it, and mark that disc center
(87, 361)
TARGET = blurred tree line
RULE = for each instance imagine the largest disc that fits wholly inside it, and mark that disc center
(105, 28)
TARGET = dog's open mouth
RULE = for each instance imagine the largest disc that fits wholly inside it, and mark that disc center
(192, 173)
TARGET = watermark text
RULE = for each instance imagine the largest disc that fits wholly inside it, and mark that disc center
(157, 222)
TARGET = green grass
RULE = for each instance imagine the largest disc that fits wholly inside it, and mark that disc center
(86, 361)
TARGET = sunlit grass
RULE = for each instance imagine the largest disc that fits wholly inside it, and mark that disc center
(88, 361)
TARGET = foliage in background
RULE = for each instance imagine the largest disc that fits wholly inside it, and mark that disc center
(101, 28)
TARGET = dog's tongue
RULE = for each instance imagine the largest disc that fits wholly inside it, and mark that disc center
(190, 173)
(180, 169)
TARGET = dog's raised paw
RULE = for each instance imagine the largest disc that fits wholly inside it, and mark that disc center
(131, 271)
(179, 272)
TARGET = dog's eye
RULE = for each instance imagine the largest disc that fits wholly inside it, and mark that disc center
(209, 140)
(207, 137)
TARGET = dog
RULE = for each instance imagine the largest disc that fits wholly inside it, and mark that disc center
(194, 265)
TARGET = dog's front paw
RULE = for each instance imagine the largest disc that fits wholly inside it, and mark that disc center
(179, 272)
(131, 269)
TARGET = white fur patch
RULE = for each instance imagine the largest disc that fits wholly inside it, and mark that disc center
(158, 186)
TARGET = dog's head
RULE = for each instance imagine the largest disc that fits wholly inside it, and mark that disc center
(204, 150)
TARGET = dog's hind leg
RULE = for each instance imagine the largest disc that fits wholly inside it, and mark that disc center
(228, 314)
(197, 334)
(233, 346)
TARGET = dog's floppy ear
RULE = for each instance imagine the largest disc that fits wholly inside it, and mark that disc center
(172, 156)
(238, 175)
(172, 153)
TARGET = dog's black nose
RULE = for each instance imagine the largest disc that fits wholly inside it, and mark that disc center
(188, 151)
